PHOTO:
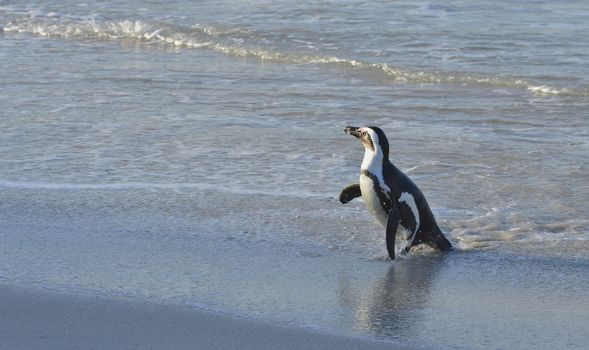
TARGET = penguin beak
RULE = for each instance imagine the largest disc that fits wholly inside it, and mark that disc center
(352, 130)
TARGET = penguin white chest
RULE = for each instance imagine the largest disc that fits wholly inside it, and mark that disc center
(368, 187)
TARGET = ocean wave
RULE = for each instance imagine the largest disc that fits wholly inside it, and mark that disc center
(238, 42)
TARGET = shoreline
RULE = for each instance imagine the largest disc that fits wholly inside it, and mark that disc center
(50, 320)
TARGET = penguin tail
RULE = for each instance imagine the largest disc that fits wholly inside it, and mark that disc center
(441, 243)
(437, 240)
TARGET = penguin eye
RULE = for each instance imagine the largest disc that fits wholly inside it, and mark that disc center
(363, 133)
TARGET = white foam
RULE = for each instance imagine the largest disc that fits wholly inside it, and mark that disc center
(158, 186)
(223, 40)
(545, 90)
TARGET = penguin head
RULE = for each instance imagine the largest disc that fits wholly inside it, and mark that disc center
(372, 137)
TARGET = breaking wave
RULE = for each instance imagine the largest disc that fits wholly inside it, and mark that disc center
(239, 42)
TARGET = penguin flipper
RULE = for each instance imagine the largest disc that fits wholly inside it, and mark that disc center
(391, 230)
(350, 192)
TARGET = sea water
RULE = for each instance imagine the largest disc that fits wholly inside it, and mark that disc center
(193, 153)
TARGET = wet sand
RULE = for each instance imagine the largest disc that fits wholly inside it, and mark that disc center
(42, 320)
(299, 276)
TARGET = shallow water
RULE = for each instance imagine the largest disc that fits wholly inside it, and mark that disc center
(195, 153)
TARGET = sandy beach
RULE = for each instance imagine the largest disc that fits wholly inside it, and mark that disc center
(43, 320)
(276, 295)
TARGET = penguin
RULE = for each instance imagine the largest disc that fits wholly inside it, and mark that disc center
(389, 194)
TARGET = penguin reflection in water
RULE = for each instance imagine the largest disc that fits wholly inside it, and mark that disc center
(392, 197)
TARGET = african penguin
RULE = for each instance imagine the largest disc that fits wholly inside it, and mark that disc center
(391, 196)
